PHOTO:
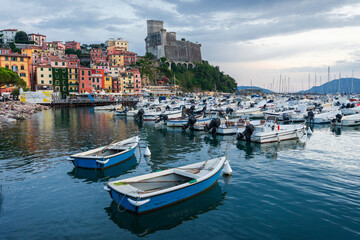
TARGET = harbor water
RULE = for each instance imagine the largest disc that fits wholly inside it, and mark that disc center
(306, 189)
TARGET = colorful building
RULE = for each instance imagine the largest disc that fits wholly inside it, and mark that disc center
(60, 81)
(33, 52)
(20, 64)
(131, 81)
(73, 79)
(72, 60)
(115, 72)
(56, 47)
(116, 84)
(5, 51)
(97, 55)
(85, 81)
(44, 79)
(8, 35)
(39, 39)
(107, 84)
(116, 60)
(117, 43)
(72, 44)
(97, 76)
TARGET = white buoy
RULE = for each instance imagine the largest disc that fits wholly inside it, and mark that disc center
(147, 152)
(227, 169)
(309, 132)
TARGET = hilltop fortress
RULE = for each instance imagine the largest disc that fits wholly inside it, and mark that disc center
(164, 44)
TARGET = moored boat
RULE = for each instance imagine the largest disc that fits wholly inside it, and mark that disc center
(159, 189)
(107, 156)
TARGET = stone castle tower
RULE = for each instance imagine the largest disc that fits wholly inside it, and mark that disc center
(164, 44)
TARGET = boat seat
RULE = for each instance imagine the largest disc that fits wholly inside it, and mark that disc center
(185, 173)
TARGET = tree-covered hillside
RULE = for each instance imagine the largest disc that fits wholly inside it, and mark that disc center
(202, 76)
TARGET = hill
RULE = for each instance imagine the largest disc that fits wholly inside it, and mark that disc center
(255, 88)
(343, 85)
(201, 76)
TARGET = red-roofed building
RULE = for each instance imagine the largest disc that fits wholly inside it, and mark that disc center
(39, 39)
(5, 50)
(129, 57)
(72, 44)
(73, 60)
(97, 55)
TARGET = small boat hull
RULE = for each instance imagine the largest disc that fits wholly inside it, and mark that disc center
(147, 203)
(99, 159)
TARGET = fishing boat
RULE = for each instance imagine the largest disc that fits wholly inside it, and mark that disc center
(231, 127)
(107, 156)
(271, 132)
(350, 120)
(159, 189)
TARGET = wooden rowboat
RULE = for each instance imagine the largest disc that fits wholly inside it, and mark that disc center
(159, 189)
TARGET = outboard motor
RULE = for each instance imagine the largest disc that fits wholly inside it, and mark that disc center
(249, 129)
(191, 122)
(285, 117)
(183, 111)
(191, 110)
(139, 114)
(348, 105)
(229, 110)
(214, 124)
(167, 108)
(310, 116)
(337, 118)
(162, 117)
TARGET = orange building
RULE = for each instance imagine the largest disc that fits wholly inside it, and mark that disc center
(20, 64)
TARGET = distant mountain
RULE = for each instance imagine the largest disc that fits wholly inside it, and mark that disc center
(255, 88)
(342, 85)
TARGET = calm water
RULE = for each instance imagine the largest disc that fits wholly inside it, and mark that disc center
(291, 190)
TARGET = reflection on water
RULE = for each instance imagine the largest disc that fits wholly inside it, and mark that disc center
(168, 217)
(337, 130)
(1, 199)
(269, 150)
(97, 175)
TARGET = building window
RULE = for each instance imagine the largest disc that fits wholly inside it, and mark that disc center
(64, 89)
(64, 70)
(57, 75)
(49, 75)
(63, 64)
(49, 69)
(83, 86)
(42, 75)
(64, 82)
(42, 82)
(7, 66)
(21, 59)
(41, 69)
(56, 63)
(22, 67)
(57, 82)
(6, 58)
(50, 82)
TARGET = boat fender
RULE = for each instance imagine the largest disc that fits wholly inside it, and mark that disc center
(227, 169)
(102, 162)
(147, 152)
(138, 203)
(309, 132)
(106, 188)
(278, 127)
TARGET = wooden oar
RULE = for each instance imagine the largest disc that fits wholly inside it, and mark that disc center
(105, 148)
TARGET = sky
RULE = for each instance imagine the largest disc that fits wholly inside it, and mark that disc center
(257, 42)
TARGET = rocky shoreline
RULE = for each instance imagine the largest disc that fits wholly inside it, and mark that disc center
(12, 111)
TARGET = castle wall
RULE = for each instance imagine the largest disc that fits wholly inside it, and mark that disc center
(164, 44)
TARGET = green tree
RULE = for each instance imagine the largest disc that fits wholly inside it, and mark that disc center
(7, 76)
(21, 37)
(14, 49)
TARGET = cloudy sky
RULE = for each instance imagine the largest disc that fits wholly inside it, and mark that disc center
(255, 41)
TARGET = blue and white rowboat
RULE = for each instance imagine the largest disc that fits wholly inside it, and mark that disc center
(159, 189)
(104, 157)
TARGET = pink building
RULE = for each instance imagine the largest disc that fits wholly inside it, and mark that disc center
(137, 80)
(5, 51)
(97, 55)
(85, 80)
(72, 44)
(129, 57)
(39, 39)
(73, 60)
(103, 65)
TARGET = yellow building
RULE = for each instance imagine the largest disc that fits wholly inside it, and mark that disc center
(73, 75)
(18, 63)
(115, 71)
(112, 43)
(32, 52)
(107, 84)
(44, 77)
(116, 60)
(127, 82)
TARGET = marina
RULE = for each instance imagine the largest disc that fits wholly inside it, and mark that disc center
(310, 180)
